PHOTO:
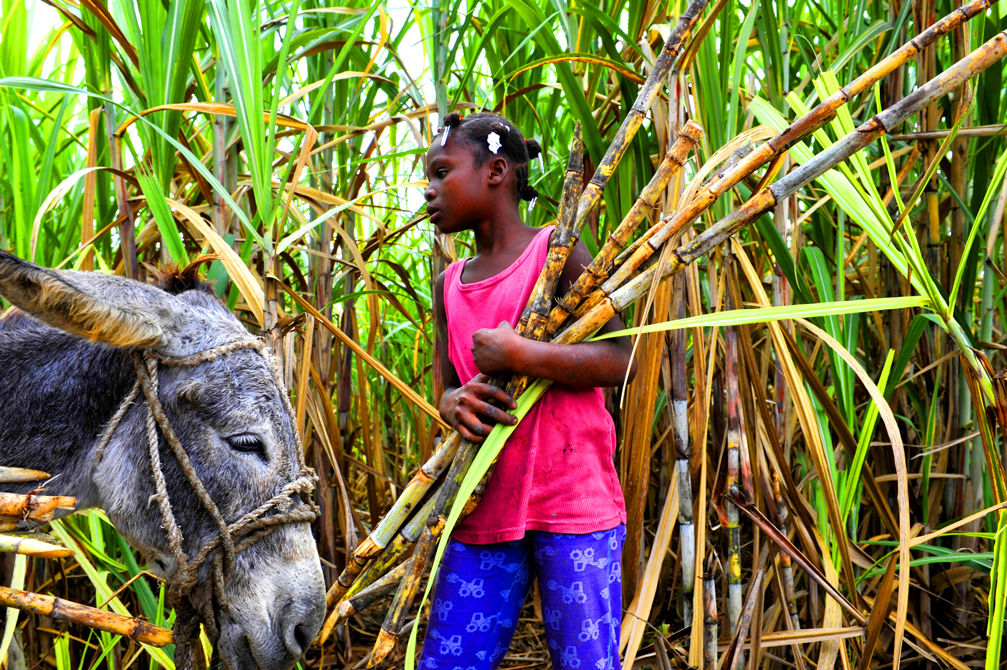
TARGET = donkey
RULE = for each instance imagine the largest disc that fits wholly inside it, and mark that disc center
(71, 353)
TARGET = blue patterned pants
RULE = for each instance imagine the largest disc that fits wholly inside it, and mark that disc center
(480, 589)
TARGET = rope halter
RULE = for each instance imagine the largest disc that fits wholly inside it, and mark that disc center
(233, 538)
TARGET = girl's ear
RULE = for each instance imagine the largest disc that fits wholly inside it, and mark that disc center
(498, 170)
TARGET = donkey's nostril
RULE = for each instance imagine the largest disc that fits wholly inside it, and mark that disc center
(301, 620)
(303, 636)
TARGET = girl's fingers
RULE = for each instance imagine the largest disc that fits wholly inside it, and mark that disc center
(497, 414)
(468, 435)
(494, 392)
(472, 428)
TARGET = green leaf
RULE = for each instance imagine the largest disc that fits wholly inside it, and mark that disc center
(162, 216)
(734, 317)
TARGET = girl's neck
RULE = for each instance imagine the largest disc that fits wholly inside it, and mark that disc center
(499, 233)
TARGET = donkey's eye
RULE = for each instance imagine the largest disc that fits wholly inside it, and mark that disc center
(248, 444)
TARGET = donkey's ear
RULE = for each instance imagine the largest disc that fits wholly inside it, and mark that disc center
(115, 310)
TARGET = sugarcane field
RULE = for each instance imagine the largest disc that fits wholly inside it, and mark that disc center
(522, 334)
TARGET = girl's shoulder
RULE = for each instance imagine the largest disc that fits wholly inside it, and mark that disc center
(482, 271)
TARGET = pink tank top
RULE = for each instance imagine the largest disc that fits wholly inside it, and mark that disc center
(556, 472)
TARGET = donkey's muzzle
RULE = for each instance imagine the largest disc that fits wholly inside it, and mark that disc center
(299, 622)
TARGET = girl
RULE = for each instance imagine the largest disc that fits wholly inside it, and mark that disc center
(553, 507)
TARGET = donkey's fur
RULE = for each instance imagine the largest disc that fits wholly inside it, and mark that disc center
(59, 390)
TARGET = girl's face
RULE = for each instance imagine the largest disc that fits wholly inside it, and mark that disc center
(460, 194)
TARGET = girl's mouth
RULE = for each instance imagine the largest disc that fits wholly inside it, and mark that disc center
(433, 213)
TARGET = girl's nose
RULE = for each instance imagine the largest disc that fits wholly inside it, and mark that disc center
(430, 193)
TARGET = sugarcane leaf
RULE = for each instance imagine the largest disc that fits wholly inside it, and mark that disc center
(618, 68)
(740, 59)
(35, 84)
(483, 461)
(998, 595)
(736, 317)
(102, 589)
(159, 209)
(863, 445)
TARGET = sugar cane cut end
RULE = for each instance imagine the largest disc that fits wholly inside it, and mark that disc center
(11, 475)
(382, 647)
(692, 130)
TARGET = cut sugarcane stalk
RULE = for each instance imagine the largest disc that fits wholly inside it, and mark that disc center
(29, 546)
(389, 526)
(350, 607)
(761, 202)
(381, 564)
(596, 272)
(560, 244)
(771, 149)
(64, 610)
(33, 507)
(391, 628)
(12, 475)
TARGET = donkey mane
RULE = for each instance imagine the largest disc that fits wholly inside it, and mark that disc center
(170, 279)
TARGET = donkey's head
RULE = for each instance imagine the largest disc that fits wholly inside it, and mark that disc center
(231, 418)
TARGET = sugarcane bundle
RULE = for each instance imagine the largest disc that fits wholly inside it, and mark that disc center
(609, 287)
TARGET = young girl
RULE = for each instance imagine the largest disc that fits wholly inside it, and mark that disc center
(553, 507)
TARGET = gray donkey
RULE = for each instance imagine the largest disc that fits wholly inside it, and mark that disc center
(103, 381)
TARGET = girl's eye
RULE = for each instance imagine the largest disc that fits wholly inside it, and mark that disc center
(440, 173)
(247, 443)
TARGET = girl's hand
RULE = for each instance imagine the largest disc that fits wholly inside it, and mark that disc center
(467, 406)
(495, 349)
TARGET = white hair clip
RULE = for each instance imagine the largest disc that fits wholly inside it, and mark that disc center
(531, 205)
(541, 164)
(444, 137)
(494, 141)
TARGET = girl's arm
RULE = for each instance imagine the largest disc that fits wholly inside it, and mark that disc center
(466, 407)
(603, 363)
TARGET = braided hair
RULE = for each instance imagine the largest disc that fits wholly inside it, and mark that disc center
(475, 130)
